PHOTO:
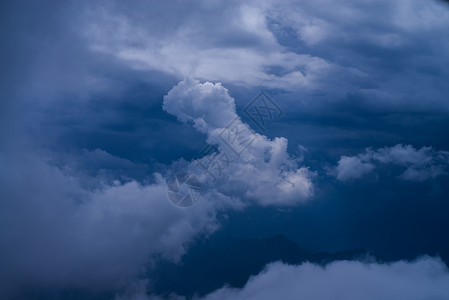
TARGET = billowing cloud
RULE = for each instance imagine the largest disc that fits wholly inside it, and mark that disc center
(58, 230)
(67, 223)
(423, 164)
(257, 168)
(208, 106)
(426, 278)
(228, 42)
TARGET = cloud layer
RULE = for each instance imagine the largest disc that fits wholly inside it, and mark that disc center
(323, 49)
(68, 223)
(426, 278)
(420, 165)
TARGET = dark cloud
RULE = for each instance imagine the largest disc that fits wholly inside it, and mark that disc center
(83, 129)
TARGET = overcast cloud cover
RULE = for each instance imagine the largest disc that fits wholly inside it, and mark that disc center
(425, 278)
(101, 102)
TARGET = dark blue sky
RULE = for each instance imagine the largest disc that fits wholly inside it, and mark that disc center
(102, 102)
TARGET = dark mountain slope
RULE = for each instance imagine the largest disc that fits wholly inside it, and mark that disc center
(218, 261)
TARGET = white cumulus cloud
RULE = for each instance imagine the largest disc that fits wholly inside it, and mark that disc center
(420, 164)
(262, 170)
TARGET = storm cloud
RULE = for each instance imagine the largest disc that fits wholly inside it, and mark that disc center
(101, 103)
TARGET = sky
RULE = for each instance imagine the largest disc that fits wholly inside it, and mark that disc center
(325, 121)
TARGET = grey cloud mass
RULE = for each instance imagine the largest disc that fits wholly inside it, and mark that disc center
(425, 278)
(264, 171)
(422, 164)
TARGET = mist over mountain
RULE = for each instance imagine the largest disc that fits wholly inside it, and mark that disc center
(228, 261)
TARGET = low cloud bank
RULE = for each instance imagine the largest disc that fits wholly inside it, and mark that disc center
(420, 165)
(426, 278)
(66, 223)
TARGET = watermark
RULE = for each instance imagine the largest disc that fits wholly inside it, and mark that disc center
(262, 109)
(184, 189)
(237, 136)
(212, 161)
